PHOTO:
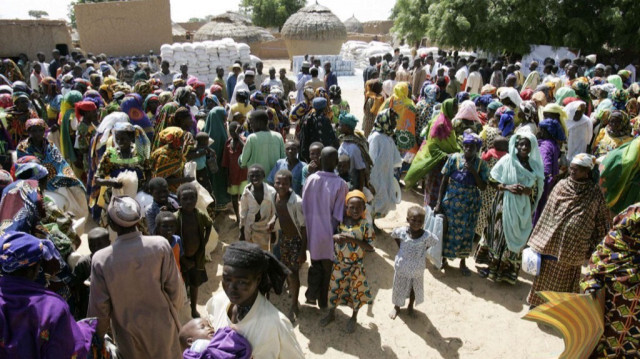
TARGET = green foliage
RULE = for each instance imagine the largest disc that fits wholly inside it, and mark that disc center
(511, 25)
(37, 14)
(72, 13)
(271, 13)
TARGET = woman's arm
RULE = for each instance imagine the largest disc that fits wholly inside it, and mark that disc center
(443, 190)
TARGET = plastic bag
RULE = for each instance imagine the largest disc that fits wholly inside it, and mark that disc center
(434, 223)
(129, 180)
(531, 261)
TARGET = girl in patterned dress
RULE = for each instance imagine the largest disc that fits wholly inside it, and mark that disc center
(408, 279)
(349, 284)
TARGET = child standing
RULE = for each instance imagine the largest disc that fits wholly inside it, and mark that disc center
(357, 148)
(344, 165)
(194, 227)
(314, 164)
(98, 238)
(408, 279)
(349, 284)
(237, 176)
(166, 225)
(291, 232)
(203, 153)
(291, 163)
(257, 210)
(162, 200)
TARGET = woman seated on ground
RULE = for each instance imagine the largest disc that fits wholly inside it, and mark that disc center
(248, 274)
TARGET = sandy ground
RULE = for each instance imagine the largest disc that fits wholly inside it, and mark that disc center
(462, 317)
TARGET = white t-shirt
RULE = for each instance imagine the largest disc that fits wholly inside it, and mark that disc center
(474, 82)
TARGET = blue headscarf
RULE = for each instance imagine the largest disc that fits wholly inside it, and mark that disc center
(483, 100)
(554, 128)
(347, 119)
(462, 96)
(20, 250)
(507, 124)
(319, 103)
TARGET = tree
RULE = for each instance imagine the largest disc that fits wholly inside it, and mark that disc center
(36, 14)
(72, 12)
(513, 25)
(271, 13)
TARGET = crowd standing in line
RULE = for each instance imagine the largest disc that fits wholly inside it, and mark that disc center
(548, 161)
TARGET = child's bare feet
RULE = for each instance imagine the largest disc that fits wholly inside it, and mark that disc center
(351, 326)
(330, 317)
(394, 312)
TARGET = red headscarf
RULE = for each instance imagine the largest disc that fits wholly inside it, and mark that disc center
(84, 106)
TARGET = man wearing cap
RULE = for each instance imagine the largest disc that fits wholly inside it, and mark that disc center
(244, 84)
(303, 77)
(136, 288)
(34, 321)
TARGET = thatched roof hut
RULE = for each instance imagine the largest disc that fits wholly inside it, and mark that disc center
(313, 30)
(178, 32)
(234, 26)
(353, 25)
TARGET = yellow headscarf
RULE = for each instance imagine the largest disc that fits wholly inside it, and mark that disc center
(401, 93)
(357, 194)
(555, 108)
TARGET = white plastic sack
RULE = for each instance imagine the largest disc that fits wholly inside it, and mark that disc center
(531, 261)
(434, 223)
(144, 200)
(129, 180)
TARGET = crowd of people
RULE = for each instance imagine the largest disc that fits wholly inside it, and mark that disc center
(150, 158)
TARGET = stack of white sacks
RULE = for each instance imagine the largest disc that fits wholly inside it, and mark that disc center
(339, 65)
(360, 51)
(204, 57)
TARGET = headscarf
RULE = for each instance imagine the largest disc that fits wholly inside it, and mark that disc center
(529, 109)
(18, 95)
(467, 111)
(248, 255)
(571, 110)
(462, 96)
(5, 100)
(124, 211)
(84, 106)
(143, 88)
(31, 170)
(108, 90)
(382, 123)
(214, 88)
(510, 93)
(429, 93)
(347, 119)
(401, 94)
(517, 209)
(319, 103)
(150, 97)
(35, 122)
(182, 95)
(6, 89)
(581, 88)
(107, 124)
(584, 160)
(67, 109)
(507, 123)
(442, 126)
(357, 194)
(132, 106)
(484, 100)
(625, 128)
(257, 99)
(562, 93)
(469, 137)
(165, 97)
(378, 100)
(494, 105)
(616, 81)
(21, 250)
(526, 94)
(94, 96)
(554, 108)
(143, 147)
(619, 99)
(488, 89)
(539, 98)
(632, 107)
(171, 136)
(554, 128)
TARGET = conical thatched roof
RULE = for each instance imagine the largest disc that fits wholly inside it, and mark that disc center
(314, 22)
(178, 30)
(353, 25)
(234, 26)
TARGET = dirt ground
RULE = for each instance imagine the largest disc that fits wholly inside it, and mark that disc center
(462, 317)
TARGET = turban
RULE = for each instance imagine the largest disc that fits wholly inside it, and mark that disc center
(37, 171)
(526, 94)
(507, 123)
(35, 122)
(347, 119)
(483, 100)
(84, 106)
(319, 103)
(20, 250)
(250, 256)
(471, 138)
(214, 88)
(584, 160)
(592, 58)
(494, 105)
(510, 93)
(124, 211)
(554, 128)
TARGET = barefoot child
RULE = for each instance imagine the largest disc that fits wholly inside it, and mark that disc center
(349, 284)
(237, 176)
(203, 153)
(194, 227)
(162, 200)
(292, 234)
(166, 225)
(413, 242)
(314, 164)
(257, 211)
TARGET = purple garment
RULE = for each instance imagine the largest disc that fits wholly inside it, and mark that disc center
(323, 199)
(225, 344)
(550, 152)
(36, 323)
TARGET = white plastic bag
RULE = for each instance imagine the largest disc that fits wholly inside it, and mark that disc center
(434, 223)
(531, 261)
(129, 180)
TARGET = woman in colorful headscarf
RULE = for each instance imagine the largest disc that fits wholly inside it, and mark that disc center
(441, 141)
(573, 222)
(581, 88)
(51, 98)
(22, 204)
(338, 104)
(549, 135)
(619, 99)
(528, 117)
(616, 81)
(244, 107)
(143, 88)
(274, 102)
(165, 118)
(563, 93)
(424, 108)
(259, 102)
(61, 178)
(402, 104)
(68, 124)
(386, 158)
(620, 176)
(169, 158)
(616, 133)
(372, 104)
(86, 115)
(301, 109)
(466, 119)
(613, 269)
(465, 174)
(5, 101)
(519, 178)
(215, 127)
(554, 112)
(150, 107)
(132, 106)
(17, 115)
(12, 71)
